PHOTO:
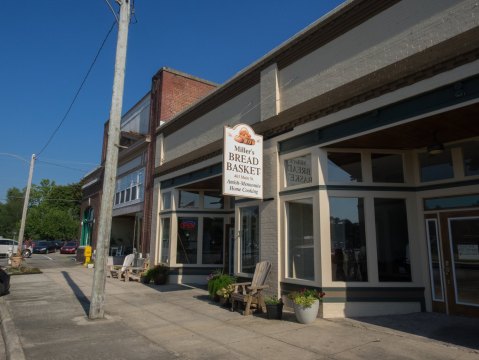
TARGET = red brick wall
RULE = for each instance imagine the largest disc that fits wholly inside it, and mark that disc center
(171, 93)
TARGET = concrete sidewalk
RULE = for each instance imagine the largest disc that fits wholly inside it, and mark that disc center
(179, 322)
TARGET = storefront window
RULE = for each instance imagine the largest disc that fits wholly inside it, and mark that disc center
(298, 171)
(213, 200)
(249, 238)
(392, 240)
(387, 168)
(348, 239)
(165, 239)
(300, 239)
(213, 240)
(189, 199)
(166, 201)
(470, 153)
(187, 245)
(344, 167)
(436, 167)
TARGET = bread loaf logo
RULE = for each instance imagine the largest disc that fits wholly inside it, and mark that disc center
(244, 137)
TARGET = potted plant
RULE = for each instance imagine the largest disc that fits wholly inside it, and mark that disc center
(159, 274)
(224, 294)
(217, 281)
(144, 277)
(274, 307)
(306, 304)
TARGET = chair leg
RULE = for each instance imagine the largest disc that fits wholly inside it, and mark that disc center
(261, 303)
(247, 309)
(232, 305)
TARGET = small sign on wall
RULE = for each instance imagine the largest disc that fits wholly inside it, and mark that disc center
(242, 162)
(468, 252)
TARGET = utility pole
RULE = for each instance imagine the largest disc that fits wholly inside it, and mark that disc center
(109, 177)
(24, 213)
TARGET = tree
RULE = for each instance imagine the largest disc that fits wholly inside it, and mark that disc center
(53, 213)
(11, 213)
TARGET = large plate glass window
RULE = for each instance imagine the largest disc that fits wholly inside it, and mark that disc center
(298, 170)
(387, 168)
(436, 167)
(187, 243)
(189, 199)
(166, 201)
(392, 240)
(213, 240)
(213, 200)
(249, 230)
(470, 153)
(348, 239)
(344, 167)
(165, 239)
(300, 239)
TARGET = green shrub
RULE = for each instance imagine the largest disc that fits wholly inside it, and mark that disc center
(272, 300)
(219, 281)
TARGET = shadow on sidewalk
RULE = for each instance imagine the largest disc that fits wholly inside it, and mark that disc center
(81, 297)
(455, 330)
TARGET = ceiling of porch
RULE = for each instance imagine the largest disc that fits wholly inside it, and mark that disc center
(449, 126)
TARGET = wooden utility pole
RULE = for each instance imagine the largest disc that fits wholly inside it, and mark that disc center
(24, 213)
(109, 177)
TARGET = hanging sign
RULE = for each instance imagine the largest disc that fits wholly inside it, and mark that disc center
(242, 162)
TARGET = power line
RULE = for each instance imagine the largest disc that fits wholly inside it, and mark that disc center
(62, 166)
(78, 91)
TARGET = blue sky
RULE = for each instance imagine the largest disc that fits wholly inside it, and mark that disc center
(47, 47)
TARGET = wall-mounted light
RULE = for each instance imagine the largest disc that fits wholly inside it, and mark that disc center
(436, 147)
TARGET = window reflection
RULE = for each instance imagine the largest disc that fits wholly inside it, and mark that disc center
(186, 251)
(249, 238)
(212, 240)
(470, 153)
(344, 167)
(300, 239)
(189, 199)
(392, 240)
(213, 200)
(348, 239)
(436, 167)
(387, 168)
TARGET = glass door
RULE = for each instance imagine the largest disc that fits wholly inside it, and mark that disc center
(249, 237)
(455, 263)
(461, 261)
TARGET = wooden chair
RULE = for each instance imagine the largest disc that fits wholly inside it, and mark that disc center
(134, 273)
(119, 271)
(250, 293)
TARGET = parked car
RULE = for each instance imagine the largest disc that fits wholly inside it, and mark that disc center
(58, 244)
(43, 247)
(6, 245)
(70, 247)
(4, 281)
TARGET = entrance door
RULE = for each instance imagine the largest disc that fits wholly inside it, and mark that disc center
(454, 262)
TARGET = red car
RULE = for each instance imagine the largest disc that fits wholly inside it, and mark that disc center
(69, 248)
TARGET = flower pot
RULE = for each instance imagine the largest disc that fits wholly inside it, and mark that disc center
(161, 279)
(306, 315)
(274, 311)
(144, 279)
(224, 301)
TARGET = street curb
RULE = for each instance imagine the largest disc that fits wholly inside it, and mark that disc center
(13, 347)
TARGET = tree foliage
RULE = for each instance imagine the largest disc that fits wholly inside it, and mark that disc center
(53, 213)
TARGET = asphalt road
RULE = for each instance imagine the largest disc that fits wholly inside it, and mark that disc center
(46, 261)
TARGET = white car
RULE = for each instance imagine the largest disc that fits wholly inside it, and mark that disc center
(6, 245)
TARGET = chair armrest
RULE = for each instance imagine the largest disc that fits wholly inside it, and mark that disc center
(258, 287)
